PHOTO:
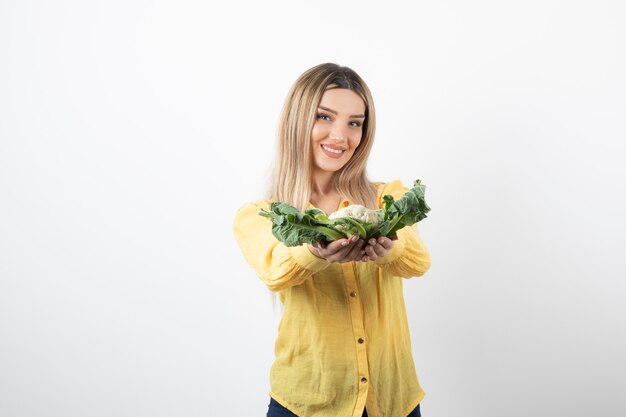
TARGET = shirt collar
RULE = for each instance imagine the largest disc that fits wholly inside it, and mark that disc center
(344, 203)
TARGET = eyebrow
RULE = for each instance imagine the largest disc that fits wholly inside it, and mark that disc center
(334, 112)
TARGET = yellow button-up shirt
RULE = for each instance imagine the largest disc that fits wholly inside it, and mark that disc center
(343, 340)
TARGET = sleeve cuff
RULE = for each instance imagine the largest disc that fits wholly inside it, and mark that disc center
(303, 257)
(393, 254)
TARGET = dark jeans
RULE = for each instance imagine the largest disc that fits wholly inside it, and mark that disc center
(277, 410)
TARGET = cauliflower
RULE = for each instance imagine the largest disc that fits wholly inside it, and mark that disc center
(360, 213)
(295, 228)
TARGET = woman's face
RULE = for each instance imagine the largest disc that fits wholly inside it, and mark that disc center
(337, 129)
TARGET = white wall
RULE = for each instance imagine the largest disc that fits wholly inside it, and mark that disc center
(130, 131)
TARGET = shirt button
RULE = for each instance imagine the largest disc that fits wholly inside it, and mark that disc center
(364, 380)
(353, 294)
(360, 340)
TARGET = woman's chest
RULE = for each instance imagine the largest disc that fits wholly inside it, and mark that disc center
(329, 204)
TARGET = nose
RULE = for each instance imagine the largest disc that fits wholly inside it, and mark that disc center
(338, 133)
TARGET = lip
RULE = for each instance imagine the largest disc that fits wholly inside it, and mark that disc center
(331, 154)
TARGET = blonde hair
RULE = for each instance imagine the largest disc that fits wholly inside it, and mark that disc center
(291, 181)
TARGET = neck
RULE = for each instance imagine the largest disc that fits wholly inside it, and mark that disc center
(322, 183)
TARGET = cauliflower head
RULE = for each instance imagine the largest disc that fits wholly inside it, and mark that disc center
(360, 213)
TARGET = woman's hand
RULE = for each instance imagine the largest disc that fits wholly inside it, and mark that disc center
(352, 249)
(376, 248)
(341, 250)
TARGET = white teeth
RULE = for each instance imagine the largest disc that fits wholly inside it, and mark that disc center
(337, 151)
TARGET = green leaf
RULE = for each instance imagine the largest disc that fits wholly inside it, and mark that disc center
(295, 228)
(351, 226)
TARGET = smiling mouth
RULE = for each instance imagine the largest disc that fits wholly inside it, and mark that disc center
(331, 150)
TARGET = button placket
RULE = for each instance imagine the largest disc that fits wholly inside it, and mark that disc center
(358, 330)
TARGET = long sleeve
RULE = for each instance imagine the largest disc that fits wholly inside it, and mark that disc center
(409, 256)
(277, 265)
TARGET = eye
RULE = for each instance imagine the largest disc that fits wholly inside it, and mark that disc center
(355, 124)
(322, 116)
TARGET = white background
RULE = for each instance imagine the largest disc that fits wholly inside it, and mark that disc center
(131, 131)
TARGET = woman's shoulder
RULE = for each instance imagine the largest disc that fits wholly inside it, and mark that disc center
(259, 203)
(394, 188)
(253, 206)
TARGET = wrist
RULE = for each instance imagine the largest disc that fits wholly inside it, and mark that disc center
(305, 258)
(313, 250)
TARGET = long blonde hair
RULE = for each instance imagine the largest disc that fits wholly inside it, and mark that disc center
(291, 181)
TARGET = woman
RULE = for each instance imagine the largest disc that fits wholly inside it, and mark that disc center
(343, 346)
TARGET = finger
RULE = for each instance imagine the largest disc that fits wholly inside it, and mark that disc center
(362, 256)
(380, 250)
(353, 238)
(347, 254)
(369, 251)
(337, 245)
(385, 242)
(341, 252)
(356, 251)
